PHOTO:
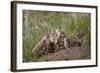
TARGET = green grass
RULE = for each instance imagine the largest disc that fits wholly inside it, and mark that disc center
(37, 23)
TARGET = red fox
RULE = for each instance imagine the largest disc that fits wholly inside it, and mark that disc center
(50, 42)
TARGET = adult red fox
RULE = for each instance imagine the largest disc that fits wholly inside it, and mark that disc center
(49, 42)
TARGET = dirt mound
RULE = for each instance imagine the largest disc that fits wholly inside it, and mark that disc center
(72, 53)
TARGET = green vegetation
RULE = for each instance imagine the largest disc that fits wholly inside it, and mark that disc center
(37, 23)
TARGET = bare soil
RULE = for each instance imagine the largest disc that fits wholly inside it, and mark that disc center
(73, 53)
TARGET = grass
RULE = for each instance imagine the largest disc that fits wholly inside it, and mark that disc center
(37, 23)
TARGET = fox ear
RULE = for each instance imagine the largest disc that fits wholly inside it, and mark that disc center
(56, 31)
(60, 27)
